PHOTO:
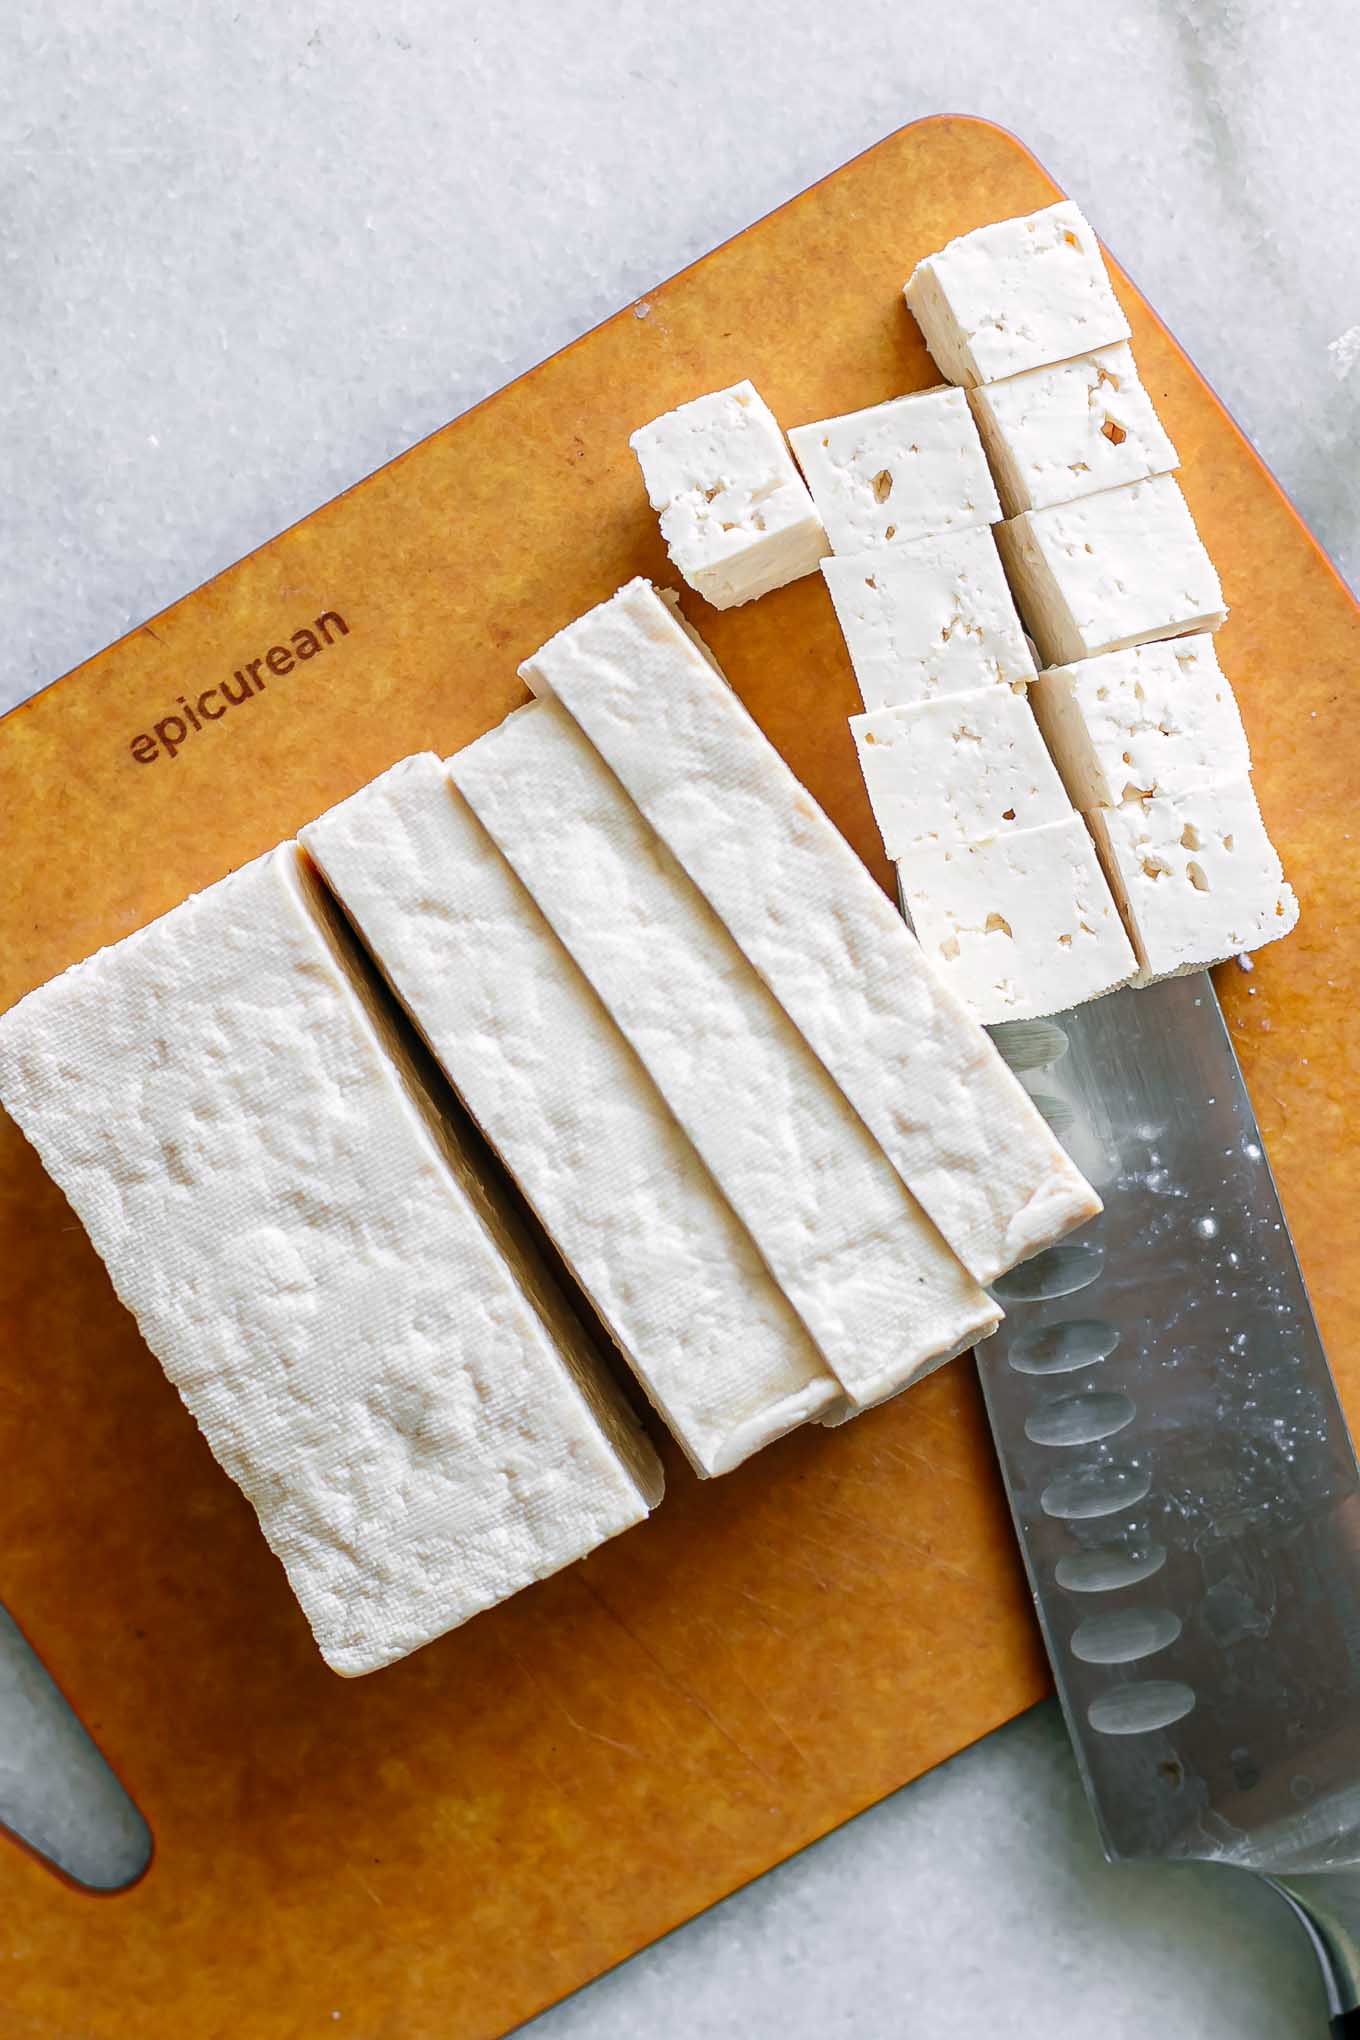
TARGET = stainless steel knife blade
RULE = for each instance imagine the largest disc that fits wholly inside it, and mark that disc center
(1181, 1476)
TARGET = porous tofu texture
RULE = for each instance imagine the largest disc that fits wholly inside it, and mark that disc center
(1156, 719)
(898, 471)
(930, 618)
(573, 1115)
(1070, 430)
(957, 770)
(956, 1125)
(867, 1272)
(1020, 925)
(1120, 568)
(1015, 295)
(734, 513)
(1197, 879)
(368, 1343)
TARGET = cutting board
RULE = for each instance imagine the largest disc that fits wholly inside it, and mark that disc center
(443, 1848)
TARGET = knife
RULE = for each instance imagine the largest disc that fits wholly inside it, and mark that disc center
(1182, 1480)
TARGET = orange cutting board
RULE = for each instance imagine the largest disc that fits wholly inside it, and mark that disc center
(443, 1848)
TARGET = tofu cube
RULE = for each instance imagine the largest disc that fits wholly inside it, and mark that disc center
(1111, 570)
(957, 770)
(1070, 430)
(898, 471)
(735, 516)
(1197, 878)
(1157, 719)
(931, 618)
(1015, 295)
(1019, 925)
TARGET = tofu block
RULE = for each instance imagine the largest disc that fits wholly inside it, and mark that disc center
(1019, 925)
(1157, 719)
(1070, 429)
(1015, 295)
(866, 1271)
(898, 471)
(957, 770)
(930, 618)
(1197, 878)
(1111, 570)
(735, 516)
(368, 1343)
(956, 1125)
(573, 1115)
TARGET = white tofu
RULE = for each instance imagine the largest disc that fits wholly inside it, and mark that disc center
(1156, 719)
(898, 471)
(956, 1125)
(1111, 570)
(957, 770)
(573, 1115)
(1019, 925)
(366, 1340)
(1015, 295)
(735, 516)
(866, 1271)
(930, 618)
(1197, 879)
(1070, 429)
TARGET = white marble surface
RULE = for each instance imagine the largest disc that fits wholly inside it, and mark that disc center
(250, 253)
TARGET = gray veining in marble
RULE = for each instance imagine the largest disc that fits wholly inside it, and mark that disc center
(250, 254)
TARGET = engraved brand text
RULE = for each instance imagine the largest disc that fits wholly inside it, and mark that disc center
(166, 738)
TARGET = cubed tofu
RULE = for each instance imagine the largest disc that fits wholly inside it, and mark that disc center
(1106, 571)
(956, 1125)
(931, 618)
(898, 471)
(1015, 295)
(866, 1271)
(370, 1345)
(1070, 429)
(1155, 719)
(573, 1115)
(957, 770)
(1019, 925)
(1197, 878)
(734, 513)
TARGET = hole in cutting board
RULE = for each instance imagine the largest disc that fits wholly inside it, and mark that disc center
(58, 1796)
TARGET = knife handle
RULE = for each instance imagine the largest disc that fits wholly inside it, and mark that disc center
(1346, 2025)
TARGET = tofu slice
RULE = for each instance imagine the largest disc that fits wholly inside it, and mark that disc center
(955, 1124)
(1158, 719)
(1019, 925)
(369, 1345)
(1197, 878)
(573, 1115)
(866, 1271)
(1111, 570)
(734, 513)
(1070, 429)
(898, 471)
(930, 618)
(954, 770)
(1014, 295)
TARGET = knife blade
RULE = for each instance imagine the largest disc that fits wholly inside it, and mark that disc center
(1180, 1473)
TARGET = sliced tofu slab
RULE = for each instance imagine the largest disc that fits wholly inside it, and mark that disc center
(369, 1345)
(956, 1125)
(573, 1115)
(897, 471)
(1116, 569)
(1198, 879)
(930, 618)
(955, 770)
(1157, 719)
(1070, 429)
(865, 1269)
(1019, 925)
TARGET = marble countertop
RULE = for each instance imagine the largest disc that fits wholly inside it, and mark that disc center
(251, 255)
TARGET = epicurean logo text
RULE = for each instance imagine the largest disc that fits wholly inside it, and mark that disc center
(165, 738)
